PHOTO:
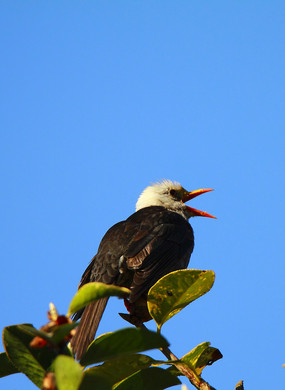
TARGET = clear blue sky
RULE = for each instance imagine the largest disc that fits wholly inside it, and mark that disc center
(98, 99)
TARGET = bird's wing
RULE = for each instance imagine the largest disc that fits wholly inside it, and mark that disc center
(85, 278)
(153, 254)
(104, 267)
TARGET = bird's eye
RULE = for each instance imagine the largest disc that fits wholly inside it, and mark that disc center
(172, 192)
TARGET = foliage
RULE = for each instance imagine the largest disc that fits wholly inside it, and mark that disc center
(113, 360)
(176, 290)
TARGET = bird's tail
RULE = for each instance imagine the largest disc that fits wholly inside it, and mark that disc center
(87, 327)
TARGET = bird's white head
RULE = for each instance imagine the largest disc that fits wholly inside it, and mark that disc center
(172, 196)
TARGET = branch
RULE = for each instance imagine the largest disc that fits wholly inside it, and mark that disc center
(199, 383)
(186, 371)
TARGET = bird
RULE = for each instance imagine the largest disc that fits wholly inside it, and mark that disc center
(135, 253)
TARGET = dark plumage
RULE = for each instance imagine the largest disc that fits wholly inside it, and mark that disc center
(136, 253)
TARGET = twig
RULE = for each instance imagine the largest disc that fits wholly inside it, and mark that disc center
(186, 371)
(199, 383)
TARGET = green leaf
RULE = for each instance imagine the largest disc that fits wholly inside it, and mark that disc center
(91, 381)
(153, 378)
(59, 332)
(92, 291)
(118, 369)
(174, 371)
(176, 290)
(6, 366)
(56, 334)
(68, 373)
(201, 356)
(35, 332)
(122, 342)
(30, 361)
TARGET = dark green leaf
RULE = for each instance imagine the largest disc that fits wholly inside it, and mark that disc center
(92, 291)
(201, 356)
(122, 342)
(153, 378)
(175, 291)
(59, 332)
(32, 362)
(91, 381)
(35, 332)
(118, 369)
(56, 334)
(6, 366)
(174, 371)
(68, 373)
(16, 343)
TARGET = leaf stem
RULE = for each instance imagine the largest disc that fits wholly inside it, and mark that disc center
(199, 383)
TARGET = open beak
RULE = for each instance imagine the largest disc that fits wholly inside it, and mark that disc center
(193, 194)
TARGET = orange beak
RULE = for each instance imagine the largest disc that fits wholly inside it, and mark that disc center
(193, 194)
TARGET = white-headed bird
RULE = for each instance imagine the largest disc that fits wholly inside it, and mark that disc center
(136, 253)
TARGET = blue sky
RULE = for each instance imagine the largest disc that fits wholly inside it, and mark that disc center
(98, 99)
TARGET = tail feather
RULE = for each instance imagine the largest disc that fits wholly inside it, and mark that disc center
(87, 327)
